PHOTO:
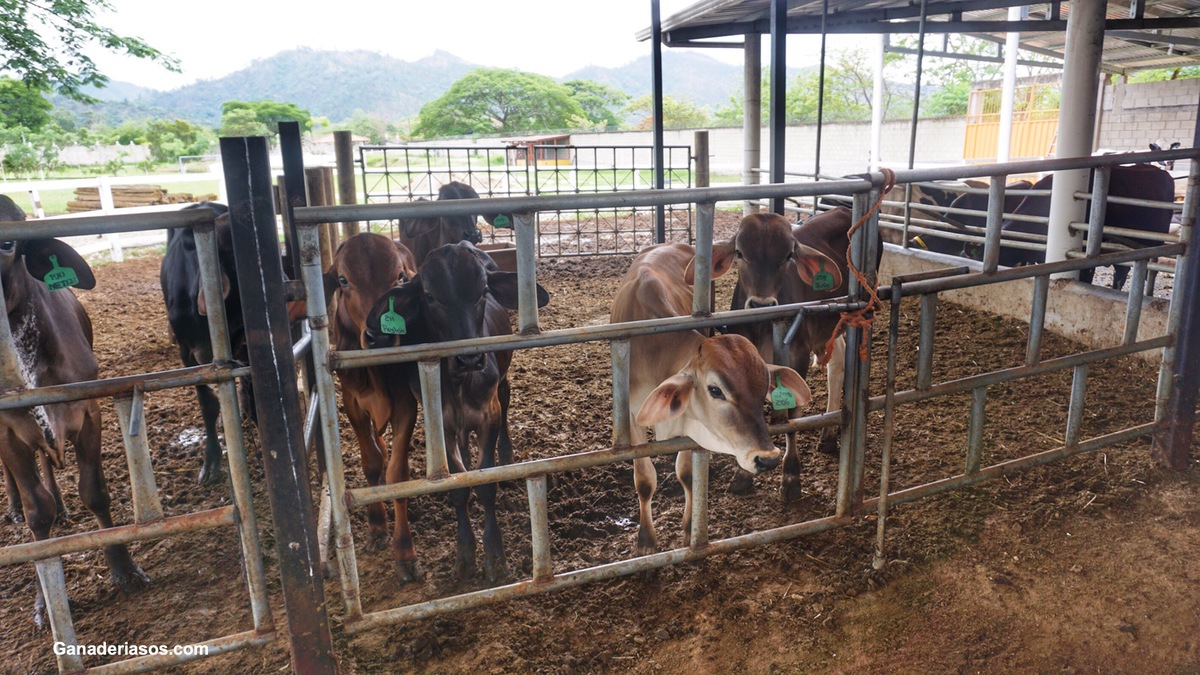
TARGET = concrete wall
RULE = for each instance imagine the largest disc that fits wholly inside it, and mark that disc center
(1136, 114)
(80, 154)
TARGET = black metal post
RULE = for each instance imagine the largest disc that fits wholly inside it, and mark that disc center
(256, 251)
(820, 98)
(912, 132)
(294, 187)
(660, 214)
(778, 95)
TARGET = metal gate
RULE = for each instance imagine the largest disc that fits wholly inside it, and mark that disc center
(404, 173)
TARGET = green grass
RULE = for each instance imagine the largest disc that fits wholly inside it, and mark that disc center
(55, 201)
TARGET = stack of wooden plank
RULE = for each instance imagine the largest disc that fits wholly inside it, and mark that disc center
(88, 198)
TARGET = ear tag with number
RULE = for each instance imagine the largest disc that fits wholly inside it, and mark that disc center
(822, 280)
(502, 221)
(782, 398)
(59, 277)
(391, 322)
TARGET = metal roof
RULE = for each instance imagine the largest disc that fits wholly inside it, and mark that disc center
(1140, 34)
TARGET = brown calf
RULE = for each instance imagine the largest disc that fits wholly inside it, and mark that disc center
(684, 384)
(52, 336)
(365, 267)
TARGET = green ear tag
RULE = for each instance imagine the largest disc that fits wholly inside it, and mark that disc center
(502, 221)
(782, 398)
(59, 277)
(822, 280)
(391, 322)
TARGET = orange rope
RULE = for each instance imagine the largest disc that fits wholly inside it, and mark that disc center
(864, 317)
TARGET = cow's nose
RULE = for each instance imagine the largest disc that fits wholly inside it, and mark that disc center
(473, 236)
(372, 339)
(754, 303)
(469, 361)
(765, 464)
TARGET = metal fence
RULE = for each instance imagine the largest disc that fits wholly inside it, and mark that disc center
(405, 173)
(858, 398)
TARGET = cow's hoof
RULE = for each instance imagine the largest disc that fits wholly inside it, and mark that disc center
(14, 516)
(495, 568)
(62, 517)
(742, 483)
(407, 571)
(210, 475)
(647, 542)
(464, 564)
(828, 445)
(377, 540)
(39, 613)
(130, 580)
(789, 489)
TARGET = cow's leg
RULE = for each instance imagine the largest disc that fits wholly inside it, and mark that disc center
(504, 393)
(836, 372)
(458, 453)
(15, 512)
(493, 539)
(789, 486)
(1151, 280)
(125, 574)
(683, 472)
(404, 418)
(370, 450)
(37, 503)
(51, 483)
(210, 409)
(645, 479)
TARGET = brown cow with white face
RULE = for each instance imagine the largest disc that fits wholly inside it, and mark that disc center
(710, 389)
(52, 336)
(365, 267)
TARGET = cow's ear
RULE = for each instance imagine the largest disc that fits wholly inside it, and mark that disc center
(503, 287)
(810, 261)
(224, 232)
(1155, 147)
(723, 255)
(408, 261)
(1175, 145)
(404, 300)
(790, 380)
(38, 261)
(667, 401)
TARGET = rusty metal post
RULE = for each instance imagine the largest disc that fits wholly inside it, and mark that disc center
(347, 190)
(256, 250)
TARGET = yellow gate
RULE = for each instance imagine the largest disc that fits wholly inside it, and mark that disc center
(1035, 121)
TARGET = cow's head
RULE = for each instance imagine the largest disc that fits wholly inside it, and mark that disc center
(1168, 164)
(767, 256)
(447, 300)
(36, 256)
(717, 400)
(365, 267)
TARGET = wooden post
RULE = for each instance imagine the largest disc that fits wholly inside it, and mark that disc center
(347, 190)
(318, 179)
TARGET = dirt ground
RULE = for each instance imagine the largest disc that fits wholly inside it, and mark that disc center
(1085, 565)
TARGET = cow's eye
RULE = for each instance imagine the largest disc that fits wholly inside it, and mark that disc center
(342, 281)
(739, 254)
(791, 255)
(7, 246)
(429, 298)
(715, 392)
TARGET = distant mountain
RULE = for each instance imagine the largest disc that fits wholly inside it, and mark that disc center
(335, 84)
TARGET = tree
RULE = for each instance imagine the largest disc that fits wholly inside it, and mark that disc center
(372, 126)
(599, 102)
(1164, 74)
(494, 100)
(269, 113)
(168, 140)
(242, 122)
(22, 105)
(48, 45)
(677, 114)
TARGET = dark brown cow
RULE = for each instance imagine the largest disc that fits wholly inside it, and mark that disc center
(422, 235)
(459, 295)
(365, 267)
(52, 335)
(779, 264)
(710, 389)
(974, 201)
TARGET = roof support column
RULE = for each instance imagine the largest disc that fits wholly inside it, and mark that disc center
(1076, 124)
(877, 103)
(751, 115)
(1012, 44)
(778, 95)
(660, 219)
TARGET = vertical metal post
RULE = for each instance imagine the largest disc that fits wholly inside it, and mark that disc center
(702, 265)
(699, 532)
(889, 428)
(146, 503)
(700, 145)
(975, 430)
(1099, 209)
(315, 182)
(850, 464)
(58, 610)
(231, 423)
(539, 523)
(1037, 320)
(292, 153)
(343, 150)
(925, 340)
(820, 100)
(877, 104)
(778, 96)
(331, 440)
(1012, 44)
(995, 219)
(256, 249)
(1078, 397)
(436, 465)
(660, 218)
(912, 132)
(525, 226)
(1133, 308)
(620, 384)
(751, 115)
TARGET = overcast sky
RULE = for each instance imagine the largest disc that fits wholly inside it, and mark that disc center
(551, 37)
